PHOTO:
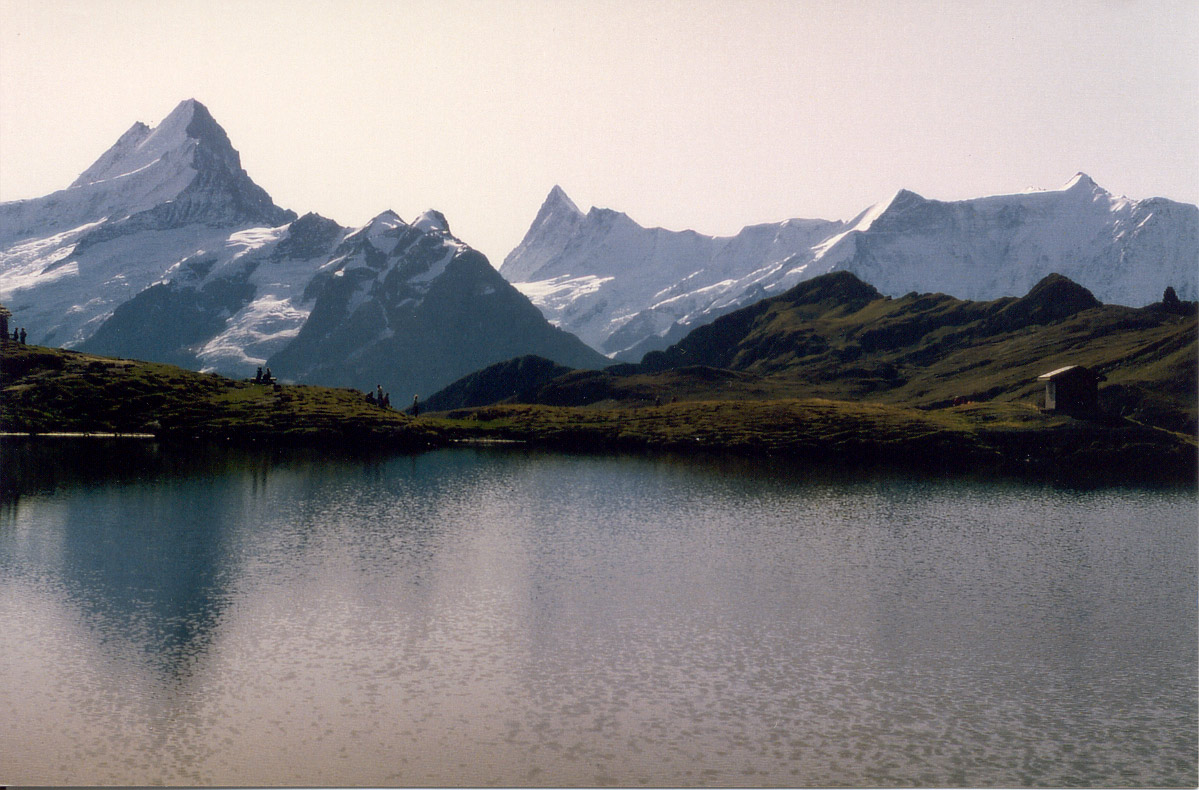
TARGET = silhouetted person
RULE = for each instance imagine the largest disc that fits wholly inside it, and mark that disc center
(370, 398)
(23, 335)
(415, 405)
(386, 400)
(379, 394)
(258, 375)
(267, 377)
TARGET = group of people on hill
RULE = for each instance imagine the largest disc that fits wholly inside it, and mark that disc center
(379, 397)
(383, 399)
(18, 335)
(376, 398)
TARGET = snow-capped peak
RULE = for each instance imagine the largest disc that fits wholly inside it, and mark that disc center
(556, 209)
(183, 171)
(385, 221)
(431, 221)
(1081, 182)
(142, 146)
(867, 218)
(378, 228)
(556, 221)
(110, 160)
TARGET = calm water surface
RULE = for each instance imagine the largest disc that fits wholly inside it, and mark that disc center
(477, 617)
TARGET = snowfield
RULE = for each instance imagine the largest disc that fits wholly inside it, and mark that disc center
(626, 289)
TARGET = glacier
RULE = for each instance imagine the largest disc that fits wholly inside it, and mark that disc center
(626, 289)
(164, 249)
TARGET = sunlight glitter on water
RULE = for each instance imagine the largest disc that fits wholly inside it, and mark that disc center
(520, 619)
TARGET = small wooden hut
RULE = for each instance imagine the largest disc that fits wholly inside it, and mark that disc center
(1072, 390)
(5, 314)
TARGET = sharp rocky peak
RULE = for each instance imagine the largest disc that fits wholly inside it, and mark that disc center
(385, 217)
(556, 208)
(903, 201)
(187, 126)
(1081, 182)
(558, 198)
(182, 171)
(202, 126)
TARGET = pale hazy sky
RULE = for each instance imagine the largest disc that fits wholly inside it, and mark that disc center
(703, 114)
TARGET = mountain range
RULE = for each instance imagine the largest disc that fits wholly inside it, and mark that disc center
(626, 289)
(164, 249)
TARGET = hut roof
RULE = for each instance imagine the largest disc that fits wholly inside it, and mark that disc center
(1055, 373)
(1071, 370)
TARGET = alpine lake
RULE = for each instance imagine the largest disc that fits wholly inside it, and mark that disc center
(501, 616)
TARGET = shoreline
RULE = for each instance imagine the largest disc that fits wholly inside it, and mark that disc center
(62, 396)
(74, 435)
(1021, 455)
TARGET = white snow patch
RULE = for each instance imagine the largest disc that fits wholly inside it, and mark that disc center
(333, 263)
(254, 333)
(430, 221)
(563, 288)
(25, 264)
(381, 231)
(146, 166)
(360, 296)
(250, 239)
(436, 269)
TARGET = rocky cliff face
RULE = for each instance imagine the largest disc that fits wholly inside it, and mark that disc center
(412, 308)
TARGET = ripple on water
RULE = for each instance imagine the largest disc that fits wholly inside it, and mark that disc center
(475, 618)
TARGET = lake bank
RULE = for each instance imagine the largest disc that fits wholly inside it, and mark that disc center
(53, 391)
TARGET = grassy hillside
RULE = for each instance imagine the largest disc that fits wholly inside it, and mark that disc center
(1012, 438)
(53, 390)
(836, 337)
(518, 378)
(49, 390)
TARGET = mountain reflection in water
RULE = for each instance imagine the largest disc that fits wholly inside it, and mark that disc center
(509, 617)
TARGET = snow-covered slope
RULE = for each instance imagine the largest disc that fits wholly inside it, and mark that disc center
(1124, 251)
(183, 171)
(165, 250)
(610, 281)
(627, 289)
(68, 259)
(229, 304)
